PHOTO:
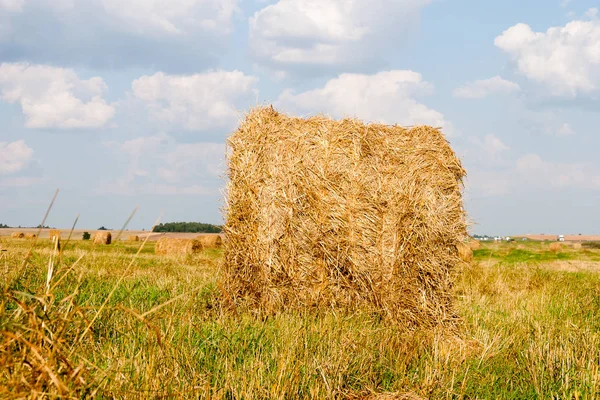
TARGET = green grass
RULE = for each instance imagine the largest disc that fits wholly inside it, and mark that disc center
(529, 330)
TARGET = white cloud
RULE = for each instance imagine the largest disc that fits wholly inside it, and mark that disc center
(535, 171)
(486, 87)
(196, 102)
(160, 165)
(591, 13)
(327, 33)
(387, 97)
(565, 130)
(12, 5)
(565, 59)
(53, 97)
(172, 17)
(14, 156)
(168, 35)
(565, 3)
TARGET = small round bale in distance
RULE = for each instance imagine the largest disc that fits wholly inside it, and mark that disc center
(326, 213)
(555, 247)
(210, 240)
(54, 233)
(30, 236)
(102, 237)
(176, 246)
(133, 238)
(17, 235)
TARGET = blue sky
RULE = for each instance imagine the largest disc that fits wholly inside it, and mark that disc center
(128, 102)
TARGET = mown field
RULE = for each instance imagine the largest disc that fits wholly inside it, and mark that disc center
(110, 324)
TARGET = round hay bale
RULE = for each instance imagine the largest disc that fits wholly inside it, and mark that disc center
(464, 252)
(133, 238)
(175, 246)
(30, 236)
(555, 247)
(102, 237)
(339, 214)
(210, 241)
(17, 235)
(474, 244)
(54, 233)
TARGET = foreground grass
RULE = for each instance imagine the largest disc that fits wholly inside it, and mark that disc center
(156, 330)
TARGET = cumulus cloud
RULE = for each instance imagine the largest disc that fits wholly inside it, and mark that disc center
(486, 87)
(196, 102)
(389, 97)
(53, 97)
(565, 59)
(173, 35)
(160, 165)
(565, 130)
(179, 17)
(536, 171)
(14, 156)
(327, 33)
(12, 5)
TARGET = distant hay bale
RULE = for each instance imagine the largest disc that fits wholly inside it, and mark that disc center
(474, 244)
(338, 214)
(54, 233)
(577, 246)
(133, 238)
(210, 241)
(174, 246)
(555, 247)
(17, 235)
(464, 252)
(30, 236)
(102, 237)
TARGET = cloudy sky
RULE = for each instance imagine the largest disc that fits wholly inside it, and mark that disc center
(128, 102)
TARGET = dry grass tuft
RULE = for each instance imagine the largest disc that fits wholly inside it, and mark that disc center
(17, 235)
(324, 213)
(173, 246)
(133, 238)
(102, 237)
(210, 241)
(556, 247)
(464, 252)
(474, 244)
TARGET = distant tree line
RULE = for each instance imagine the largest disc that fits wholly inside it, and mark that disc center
(194, 227)
(28, 227)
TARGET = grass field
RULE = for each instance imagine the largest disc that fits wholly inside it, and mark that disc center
(112, 324)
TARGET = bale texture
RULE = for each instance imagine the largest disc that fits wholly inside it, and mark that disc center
(211, 241)
(474, 244)
(174, 246)
(133, 238)
(324, 213)
(555, 247)
(30, 236)
(17, 235)
(102, 237)
(54, 233)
